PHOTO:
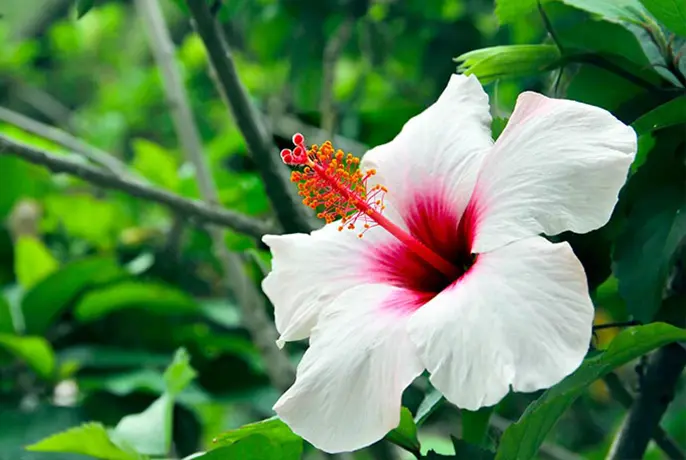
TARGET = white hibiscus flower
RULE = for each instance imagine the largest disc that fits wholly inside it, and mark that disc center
(451, 274)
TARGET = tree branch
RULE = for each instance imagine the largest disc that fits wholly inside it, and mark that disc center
(292, 215)
(195, 210)
(657, 391)
(661, 438)
(65, 139)
(250, 301)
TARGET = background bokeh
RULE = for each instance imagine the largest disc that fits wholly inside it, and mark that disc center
(109, 286)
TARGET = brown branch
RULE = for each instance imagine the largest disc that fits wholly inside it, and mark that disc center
(661, 438)
(657, 391)
(192, 209)
(292, 215)
(250, 301)
(63, 138)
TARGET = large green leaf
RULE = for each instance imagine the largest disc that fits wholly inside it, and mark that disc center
(153, 297)
(432, 401)
(405, 435)
(475, 425)
(35, 351)
(509, 11)
(522, 439)
(671, 13)
(490, 64)
(670, 114)
(50, 297)
(150, 432)
(32, 261)
(656, 225)
(19, 180)
(88, 439)
(22, 426)
(83, 216)
(278, 433)
(252, 447)
(156, 164)
(99, 357)
(179, 373)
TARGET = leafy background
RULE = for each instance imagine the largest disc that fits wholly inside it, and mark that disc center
(118, 327)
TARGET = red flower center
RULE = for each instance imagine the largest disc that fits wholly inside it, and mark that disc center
(433, 254)
(432, 219)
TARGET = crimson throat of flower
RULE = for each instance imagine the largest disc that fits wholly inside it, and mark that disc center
(331, 183)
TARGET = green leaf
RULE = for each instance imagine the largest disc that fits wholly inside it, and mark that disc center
(179, 373)
(156, 164)
(509, 11)
(101, 357)
(522, 439)
(6, 320)
(405, 435)
(669, 114)
(50, 297)
(432, 401)
(671, 13)
(148, 432)
(84, 216)
(35, 351)
(475, 425)
(490, 64)
(153, 297)
(88, 439)
(83, 7)
(32, 261)
(467, 451)
(656, 225)
(253, 447)
(274, 429)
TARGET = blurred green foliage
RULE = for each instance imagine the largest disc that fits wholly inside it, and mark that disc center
(101, 291)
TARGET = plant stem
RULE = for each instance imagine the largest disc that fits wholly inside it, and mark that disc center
(250, 301)
(293, 216)
(195, 210)
(657, 391)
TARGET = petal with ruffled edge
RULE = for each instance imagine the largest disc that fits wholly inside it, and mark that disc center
(557, 166)
(347, 393)
(521, 316)
(439, 149)
(310, 271)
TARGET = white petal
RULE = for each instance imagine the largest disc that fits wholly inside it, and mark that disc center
(347, 393)
(310, 271)
(557, 166)
(522, 316)
(441, 148)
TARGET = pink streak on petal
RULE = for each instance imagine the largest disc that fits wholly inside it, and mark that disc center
(406, 302)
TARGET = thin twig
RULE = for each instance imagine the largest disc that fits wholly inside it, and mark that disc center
(192, 209)
(64, 139)
(292, 215)
(599, 327)
(252, 304)
(332, 52)
(44, 103)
